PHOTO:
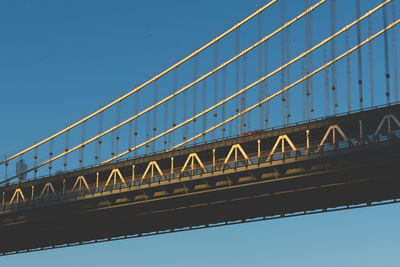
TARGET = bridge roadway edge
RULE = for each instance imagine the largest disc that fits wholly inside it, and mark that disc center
(333, 181)
(316, 126)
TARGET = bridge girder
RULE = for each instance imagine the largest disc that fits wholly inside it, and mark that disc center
(220, 191)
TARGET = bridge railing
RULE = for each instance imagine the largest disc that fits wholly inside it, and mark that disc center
(292, 124)
(217, 168)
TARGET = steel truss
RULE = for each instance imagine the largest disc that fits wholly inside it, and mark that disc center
(223, 182)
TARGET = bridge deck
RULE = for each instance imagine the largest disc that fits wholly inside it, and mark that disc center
(360, 170)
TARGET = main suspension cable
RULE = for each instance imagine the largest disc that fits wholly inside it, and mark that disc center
(266, 77)
(203, 78)
(369, 39)
(234, 95)
(204, 47)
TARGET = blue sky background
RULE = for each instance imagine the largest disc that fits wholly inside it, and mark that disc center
(60, 59)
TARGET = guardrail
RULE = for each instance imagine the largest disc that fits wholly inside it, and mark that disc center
(210, 169)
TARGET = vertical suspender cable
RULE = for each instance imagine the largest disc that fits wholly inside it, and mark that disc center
(310, 67)
(215, 85)
(304, 86)
(230, 127)
(348, 72)
(83, 140)
(260, 86)
(135, 134)
(147, 133)
(147, 130)
(118, 119)
(130, 133)
(359, 55)
(326, 82)
(99, 141)
(184, 115)
(386, 48)
(245, 123)
(35, 158)
(237, 44)
(333, 55)
(309, 63)
(194, 95)
(175, 86)
(65, 149)
(266, 105)
(371, 73)
(113, 142)
(166, 124)
(287, 75)
(283, 50)
(19, 171)
(50, 154)
(151, 80)
(96, 150)
(203, 106)
(223, 97)
(83, 147)
(394, 51)
(5, 168)
(155, 99)
(306, 106)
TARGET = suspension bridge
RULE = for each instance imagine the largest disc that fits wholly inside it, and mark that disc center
(270, 119)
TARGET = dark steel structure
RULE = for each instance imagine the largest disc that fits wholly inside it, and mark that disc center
(333, 163)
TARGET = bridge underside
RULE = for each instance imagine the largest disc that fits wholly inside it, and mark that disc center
(363, 175)
(339, 161)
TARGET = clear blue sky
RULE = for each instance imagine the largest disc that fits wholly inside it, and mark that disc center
(61, 59)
